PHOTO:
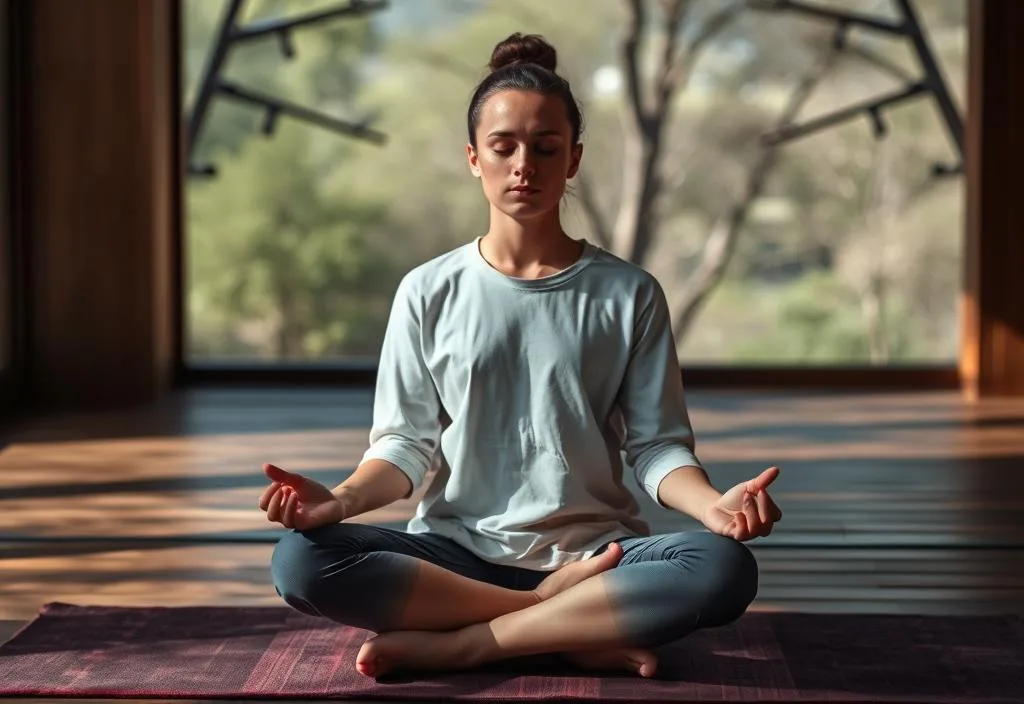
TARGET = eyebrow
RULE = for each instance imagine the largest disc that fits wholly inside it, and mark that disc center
(537, 133)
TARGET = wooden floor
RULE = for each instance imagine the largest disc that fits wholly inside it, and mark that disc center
(893, 503)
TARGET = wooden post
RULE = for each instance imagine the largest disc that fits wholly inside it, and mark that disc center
(97, 148)
(992, 351)
(6, 266)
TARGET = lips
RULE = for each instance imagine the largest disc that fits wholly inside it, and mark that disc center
(524, 189)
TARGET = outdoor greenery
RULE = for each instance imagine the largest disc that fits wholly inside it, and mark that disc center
(837, 248)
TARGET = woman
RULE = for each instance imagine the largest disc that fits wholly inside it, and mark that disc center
(518, 367)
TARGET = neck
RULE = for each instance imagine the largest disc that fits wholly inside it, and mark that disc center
(532, 248)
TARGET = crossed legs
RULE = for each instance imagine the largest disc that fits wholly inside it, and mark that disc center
(437, 606)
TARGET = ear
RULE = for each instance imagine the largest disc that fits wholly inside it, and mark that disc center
(574, 160)
(474, 161)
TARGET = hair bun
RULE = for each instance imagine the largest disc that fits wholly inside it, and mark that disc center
(524, 49)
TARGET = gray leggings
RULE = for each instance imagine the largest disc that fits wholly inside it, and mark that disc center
(665, 586)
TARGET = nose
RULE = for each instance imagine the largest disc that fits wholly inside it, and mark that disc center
(523, 166)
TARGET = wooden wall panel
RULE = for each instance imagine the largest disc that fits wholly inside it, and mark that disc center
(99, 146)
(992, 356)
(6, 291)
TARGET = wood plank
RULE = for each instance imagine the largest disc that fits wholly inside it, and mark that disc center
(923, 469)
(892, 502)
(860, 474)
(992, 332)
(97, 143)
(6, 265)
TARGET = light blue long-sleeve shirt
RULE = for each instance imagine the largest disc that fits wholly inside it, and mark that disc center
(523, 395)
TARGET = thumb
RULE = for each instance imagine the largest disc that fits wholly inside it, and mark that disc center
(276, 474)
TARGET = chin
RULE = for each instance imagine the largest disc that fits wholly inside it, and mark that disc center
(526, 211)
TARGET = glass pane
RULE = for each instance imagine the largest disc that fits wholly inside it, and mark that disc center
(835, 248)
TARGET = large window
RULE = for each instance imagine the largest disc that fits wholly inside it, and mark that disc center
(839, 246)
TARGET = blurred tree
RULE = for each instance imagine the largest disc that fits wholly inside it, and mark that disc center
(774, 248)
(681, 33)
(283, 261)
(290, 258)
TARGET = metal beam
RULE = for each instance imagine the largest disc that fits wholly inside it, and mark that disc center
(255, 30)
(871, 108)
(932, 82)
(838, 16)
(211, 71)
(276, 106)
(212, 83)
(933, 76)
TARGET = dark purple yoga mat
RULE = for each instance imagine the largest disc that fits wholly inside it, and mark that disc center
(250, 653)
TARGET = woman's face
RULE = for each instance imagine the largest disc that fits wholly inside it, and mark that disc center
(524, 153)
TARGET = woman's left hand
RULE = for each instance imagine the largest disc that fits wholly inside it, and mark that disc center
(745, 511)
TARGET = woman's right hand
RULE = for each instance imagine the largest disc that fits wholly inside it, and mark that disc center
(298, 502)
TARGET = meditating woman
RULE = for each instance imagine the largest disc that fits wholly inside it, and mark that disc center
(518, 368)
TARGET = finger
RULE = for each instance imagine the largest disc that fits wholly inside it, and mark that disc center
(268, 493)
(754, 524)
(761, 481)
(276, 474)
(764, 512)
(285, 493)
(773, 510)
(740, 530)
(288, 512)
(274, 509)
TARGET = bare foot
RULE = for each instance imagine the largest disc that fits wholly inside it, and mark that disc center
(416, 650)
(573, 574)
(642, 662)
(454, 650)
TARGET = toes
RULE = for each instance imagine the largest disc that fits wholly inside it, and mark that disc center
(367, 661)
(370, 667)
(647, 662)
(641, 662)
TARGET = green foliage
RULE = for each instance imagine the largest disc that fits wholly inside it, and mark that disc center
(295, 248)
(273, 249)
(818, 321)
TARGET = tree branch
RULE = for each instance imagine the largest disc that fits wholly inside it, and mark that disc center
(630, 49)
(725, 232)
(597, 220)
(715, 24)
(676, 68)
(664, 82)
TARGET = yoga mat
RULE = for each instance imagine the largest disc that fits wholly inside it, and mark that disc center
(275, 652)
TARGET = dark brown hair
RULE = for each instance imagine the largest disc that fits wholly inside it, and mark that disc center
(524, 62)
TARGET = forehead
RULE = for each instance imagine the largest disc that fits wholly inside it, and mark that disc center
(523, 111)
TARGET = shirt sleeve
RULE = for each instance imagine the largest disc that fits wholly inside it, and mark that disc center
(658, 435)
(406, 411)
